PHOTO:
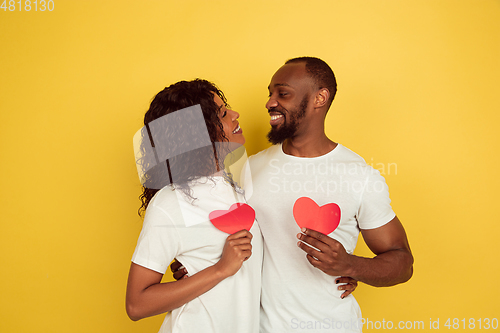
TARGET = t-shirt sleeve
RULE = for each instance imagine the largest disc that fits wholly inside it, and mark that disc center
(375, 208)
(158, 242)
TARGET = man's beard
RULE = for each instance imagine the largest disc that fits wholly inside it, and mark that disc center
(279, 133)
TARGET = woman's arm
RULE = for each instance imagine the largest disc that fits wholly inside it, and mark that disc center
(147, 296)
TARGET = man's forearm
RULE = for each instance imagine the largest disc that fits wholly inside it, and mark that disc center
(384, 270)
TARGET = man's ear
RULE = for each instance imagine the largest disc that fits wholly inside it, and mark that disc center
(322, 97)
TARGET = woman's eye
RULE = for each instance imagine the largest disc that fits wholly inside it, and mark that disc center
(224, 114)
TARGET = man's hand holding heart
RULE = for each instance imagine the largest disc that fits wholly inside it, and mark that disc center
(330, 256)
(317, 222)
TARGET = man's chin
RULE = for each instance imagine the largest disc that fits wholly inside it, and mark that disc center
(277, 136)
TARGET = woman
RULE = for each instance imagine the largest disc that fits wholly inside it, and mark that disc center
(196, 213)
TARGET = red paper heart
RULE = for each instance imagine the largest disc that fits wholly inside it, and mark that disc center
(308, 214)
(239, 216)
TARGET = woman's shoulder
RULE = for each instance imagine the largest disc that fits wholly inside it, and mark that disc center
(163, 207)
(263, 157)
(163, 196)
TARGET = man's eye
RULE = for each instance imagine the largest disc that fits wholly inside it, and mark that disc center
(224, 114)
(283, 94)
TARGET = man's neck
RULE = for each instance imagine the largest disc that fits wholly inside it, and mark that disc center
(308, 146)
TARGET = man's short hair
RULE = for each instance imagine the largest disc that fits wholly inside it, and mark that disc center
(320, 72)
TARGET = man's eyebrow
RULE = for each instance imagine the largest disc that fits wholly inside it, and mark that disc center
(279, 85)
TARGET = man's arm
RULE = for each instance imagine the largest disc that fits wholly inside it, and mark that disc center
(392, 264)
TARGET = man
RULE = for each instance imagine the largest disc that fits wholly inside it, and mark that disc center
(307, 180)
(304, 183)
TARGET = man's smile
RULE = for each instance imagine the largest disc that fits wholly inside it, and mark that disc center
(276, 117)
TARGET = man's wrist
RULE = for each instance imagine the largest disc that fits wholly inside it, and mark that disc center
(353, 265)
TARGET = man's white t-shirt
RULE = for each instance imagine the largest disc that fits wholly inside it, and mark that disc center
(176, 226)
(296, 297)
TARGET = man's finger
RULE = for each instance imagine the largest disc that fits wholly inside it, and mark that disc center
(313, 242)
(318, 235)
(313, 261)
(310, 251)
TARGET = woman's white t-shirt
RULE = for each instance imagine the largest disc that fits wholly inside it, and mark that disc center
(177, 226)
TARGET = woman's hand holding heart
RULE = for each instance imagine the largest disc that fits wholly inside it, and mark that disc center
(237, 249)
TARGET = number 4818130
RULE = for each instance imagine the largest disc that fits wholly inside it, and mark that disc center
(473, 324)
(27, 5)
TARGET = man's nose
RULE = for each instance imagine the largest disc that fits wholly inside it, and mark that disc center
(271, 103)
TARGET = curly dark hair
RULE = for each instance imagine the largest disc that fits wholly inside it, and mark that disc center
(184, 167)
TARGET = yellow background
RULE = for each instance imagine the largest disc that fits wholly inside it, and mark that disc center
(418, 88)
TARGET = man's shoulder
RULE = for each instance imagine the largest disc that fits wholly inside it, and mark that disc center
(353, 164)
(346, 155)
